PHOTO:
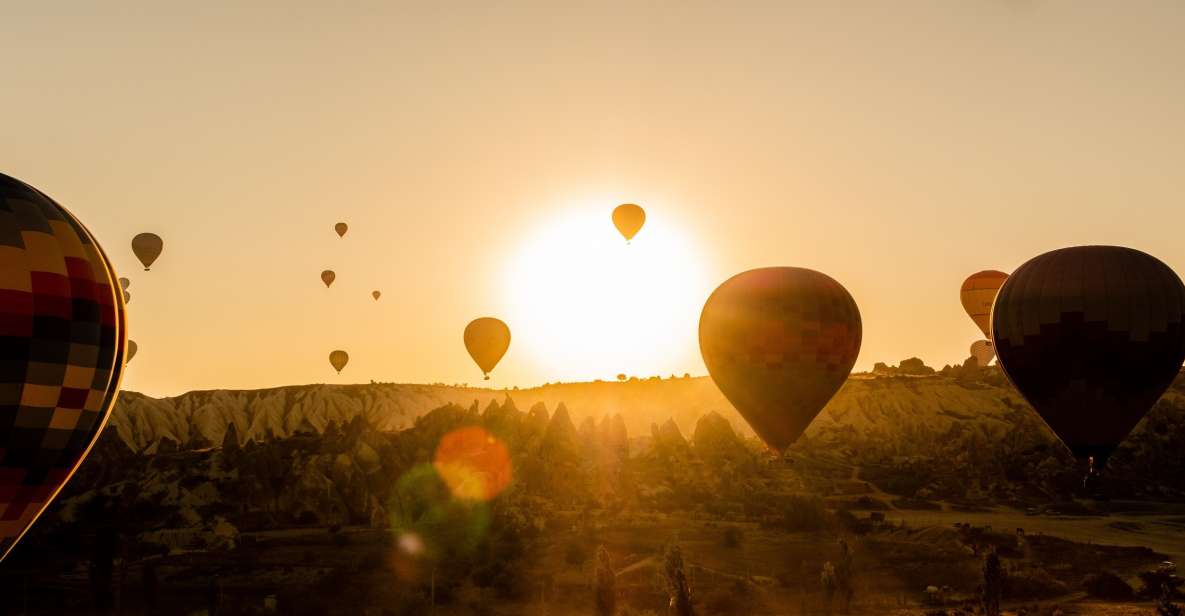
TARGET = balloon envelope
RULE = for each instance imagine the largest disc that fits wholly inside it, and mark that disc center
(487, 340)
(341, 229)
(977, 294)
(328, 277)
(62, 335)
(376, 294)
(628, 218)
(124, 283)
(779, 342)
(983, 352)
(147, 247)
(132, 348)
(1091, 336)
(339, 359)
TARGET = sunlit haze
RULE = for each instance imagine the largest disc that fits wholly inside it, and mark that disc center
(476, 152)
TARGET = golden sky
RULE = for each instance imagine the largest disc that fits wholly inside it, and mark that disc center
(477, 150)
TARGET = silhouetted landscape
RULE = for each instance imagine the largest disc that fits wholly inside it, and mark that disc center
(324, 499)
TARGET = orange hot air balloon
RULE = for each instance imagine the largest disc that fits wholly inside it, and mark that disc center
(147, 247)
(983, 352)
(779, 342)
(487, 339)
(339, 359)
(978, 293)
(328, 277)
(341, 229)
(132, 348)
(62, 332)
(628, 218)
(376, 294)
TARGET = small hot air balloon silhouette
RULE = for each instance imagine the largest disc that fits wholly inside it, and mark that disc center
(339, 359)
(328, 277)
(983, 352)
(62, 336)
(376, 294)
(341, 229)
(124, 283)
(977, 294)
(127, 297)
(1091, 336)
(628, 218)
(132, 348)
(779, 342)
(487, 339)
(147, 247)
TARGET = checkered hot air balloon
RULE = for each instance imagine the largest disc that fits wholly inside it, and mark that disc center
(62, 340)
(779, 342)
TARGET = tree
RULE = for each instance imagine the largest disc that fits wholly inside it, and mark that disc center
(827, 581)
(993, 583)
(676, 581)
(606, 584)
(843, 576)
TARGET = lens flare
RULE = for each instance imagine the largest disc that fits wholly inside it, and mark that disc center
(473, 463)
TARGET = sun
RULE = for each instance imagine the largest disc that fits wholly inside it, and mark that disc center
(584, 304)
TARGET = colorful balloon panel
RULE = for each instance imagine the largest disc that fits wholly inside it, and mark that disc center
(62, 336)
(779, 342)
(1091, 336)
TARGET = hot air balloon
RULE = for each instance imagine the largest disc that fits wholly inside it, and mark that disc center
(132, 348)
(779, 342)
(628, 218)
(339, 359)
(147, 247)
(1091, 336)
(328, 277)
(341, 229)
(376, 294)
(127, 297)
(487, 339)
(983, 352)
(62, 337)
(978, 293)
(124, 283)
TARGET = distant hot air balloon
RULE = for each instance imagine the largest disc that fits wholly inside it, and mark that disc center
(779, 342)
(1091, 336)
(147, 247)
(127, 297)
(62, 338)
(983, 352)
(341, 229)
(124, 283)
(628, 218)
(487, 339)
(978, 293)
(132, 348)
(339, 359)
(328, 277)
(376, 294)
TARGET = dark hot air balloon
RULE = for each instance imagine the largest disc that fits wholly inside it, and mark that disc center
(628, 218)
(132, 348)
(339, 359)
(124, 283)
(376, 294)
(147, 247)
(62, 332)
(977, 294)
(487, 339)
(341, 229)
(328, 277)
(779, 342)
(1091, 336)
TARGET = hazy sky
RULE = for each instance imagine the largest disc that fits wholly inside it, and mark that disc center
(477, 150)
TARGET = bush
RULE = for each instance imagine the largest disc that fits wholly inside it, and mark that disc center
(1033, 584)
(1106, 585)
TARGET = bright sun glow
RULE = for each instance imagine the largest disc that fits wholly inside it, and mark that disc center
(583, 304)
